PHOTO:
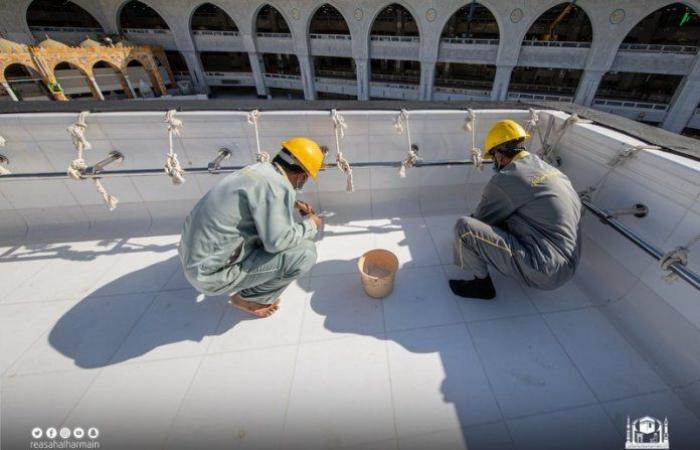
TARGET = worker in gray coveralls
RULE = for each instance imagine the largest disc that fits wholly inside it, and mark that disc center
(241, 237)
(526, 225)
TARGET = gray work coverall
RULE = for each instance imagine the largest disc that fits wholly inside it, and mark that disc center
(526, 226)
(242, 236)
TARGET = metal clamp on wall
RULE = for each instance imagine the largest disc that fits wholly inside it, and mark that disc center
(214, 166)
(96, 169)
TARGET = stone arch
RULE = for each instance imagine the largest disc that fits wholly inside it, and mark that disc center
(647, 31)
(317, 10)
(228, 25)
(137, 10)
(28, 84)
(149, 71)
(118, 71)
(580, 27)
(381, 10)
(43, 13)
(69, 82)
(479, 9)
(274, 11)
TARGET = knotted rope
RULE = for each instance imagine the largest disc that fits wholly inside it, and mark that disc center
(343, 165)
(630, 152)
(252, 118)
(172, 164)
(550, 152)
(533, 126)
(77, 166)
(3, 170)
(677, 255)
(400, 124)
(470, 125)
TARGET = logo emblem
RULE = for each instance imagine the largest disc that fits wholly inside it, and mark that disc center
(647, 432)
(37, 433)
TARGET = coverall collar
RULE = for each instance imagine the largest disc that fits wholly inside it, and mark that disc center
(281, 171)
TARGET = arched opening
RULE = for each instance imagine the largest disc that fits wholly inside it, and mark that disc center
(137, 15)
(141, 80)
(638, 87)
(110, 80)
(210, 17)
(390, 78)
(328, 20)
(557, 84)
(229, 74)
(59, 14)
(565, 22)
(178, 65)
(269, 20)
(61, 20)
(472, 21)
(283, 75)
(26, 83)
(73, 81)
(675, 24)
(457, 81)
(394, 20)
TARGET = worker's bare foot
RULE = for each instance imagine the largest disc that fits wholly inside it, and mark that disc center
(256, 309)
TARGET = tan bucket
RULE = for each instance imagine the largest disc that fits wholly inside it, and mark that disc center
(378, 268)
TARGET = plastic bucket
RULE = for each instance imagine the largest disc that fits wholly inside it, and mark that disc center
(378, 268)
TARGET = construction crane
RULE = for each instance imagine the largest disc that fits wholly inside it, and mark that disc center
(550, 36)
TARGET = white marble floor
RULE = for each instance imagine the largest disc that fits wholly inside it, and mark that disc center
(107, 333)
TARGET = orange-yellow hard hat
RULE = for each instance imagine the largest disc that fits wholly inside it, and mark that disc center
(307, 152)
(502, 131)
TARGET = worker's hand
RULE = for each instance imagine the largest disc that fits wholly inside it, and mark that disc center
(316, 220)
(304, 208)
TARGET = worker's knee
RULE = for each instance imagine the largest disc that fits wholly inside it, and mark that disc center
(300, 259)
(461, 226)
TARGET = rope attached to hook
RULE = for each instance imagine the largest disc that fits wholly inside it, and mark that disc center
(252, 118)
(402, 123)
(3, 170)
(550, 152)
(470, 126)
(77, 166)
(343, 164)
(677, 255)
(172, 165)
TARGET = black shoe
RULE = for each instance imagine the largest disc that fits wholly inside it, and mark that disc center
(477, 288)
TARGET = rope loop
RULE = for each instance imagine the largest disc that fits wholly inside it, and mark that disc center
(678, 255)
(172, 165)
(252, 119)
(475, 152)
(341, 163)
(77, 167)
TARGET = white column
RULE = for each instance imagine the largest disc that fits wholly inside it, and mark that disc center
(501, 82)
(96, 87)
(685, 100)
(588, 86)
(362, 72)
(10, 92)
(427, 80)
(131, 87)
(194, 65)
(258, 67)
(307, 76)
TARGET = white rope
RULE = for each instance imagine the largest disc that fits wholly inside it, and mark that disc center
(252, 118)
(533, 126)
(629, 153)
(550, 152)
(172, 165)
(77, 166)
(402, 123)
(3, 170)
(470, 125)
(343, 165)
(677, 255)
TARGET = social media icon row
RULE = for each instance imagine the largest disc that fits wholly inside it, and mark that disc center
(65, 433)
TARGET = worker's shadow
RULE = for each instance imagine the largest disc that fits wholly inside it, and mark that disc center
(110, 326)
(345, 310)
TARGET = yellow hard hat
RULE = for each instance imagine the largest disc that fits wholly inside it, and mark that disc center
(307, 152)
(503, 131)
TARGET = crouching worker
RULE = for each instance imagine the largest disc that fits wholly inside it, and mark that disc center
(526, 225)
(241, 237)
